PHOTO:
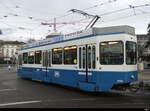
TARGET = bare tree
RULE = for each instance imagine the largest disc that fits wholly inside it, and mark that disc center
(141, 49)
(148, 33)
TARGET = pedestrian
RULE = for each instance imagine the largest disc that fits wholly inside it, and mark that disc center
(9, 67)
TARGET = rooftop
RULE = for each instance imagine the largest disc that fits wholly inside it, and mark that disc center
(11, 42)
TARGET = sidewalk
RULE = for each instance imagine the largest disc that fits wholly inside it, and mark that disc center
(146, 77)
(12, 69)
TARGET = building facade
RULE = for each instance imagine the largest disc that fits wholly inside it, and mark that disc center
(8, 51)
(142, 39)
(144, 52)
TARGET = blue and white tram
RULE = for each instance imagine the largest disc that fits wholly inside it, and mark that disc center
(95, 59)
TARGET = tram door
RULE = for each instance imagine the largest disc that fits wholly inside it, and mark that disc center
(87, 62)
(45, 64)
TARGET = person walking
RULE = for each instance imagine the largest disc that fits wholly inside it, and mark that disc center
(9, 67)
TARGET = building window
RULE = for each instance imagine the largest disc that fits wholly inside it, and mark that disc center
(70, 55)
(7, 53)
(57, 56)
(31, 57)
(38, 57)
(12, 51)
(25, 58)
(111, 53)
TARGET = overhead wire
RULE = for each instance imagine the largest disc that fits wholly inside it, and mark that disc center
(14, 12)
(101, 4)
(116, 11)
(110, 1)
(123, 9)
(7, 7)
(104, 3)
(107, 13)
(124, 17)
(120, 10)
(25, 8)
(28, 10)
(12, 15)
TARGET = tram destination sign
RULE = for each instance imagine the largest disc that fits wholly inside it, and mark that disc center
(60, 38)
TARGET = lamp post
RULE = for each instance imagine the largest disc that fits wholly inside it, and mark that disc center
(141, 68)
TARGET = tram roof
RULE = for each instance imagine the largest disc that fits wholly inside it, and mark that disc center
(124, 28)
(79, 34)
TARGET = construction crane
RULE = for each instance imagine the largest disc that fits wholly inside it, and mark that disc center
(90, 25)
(55, 23)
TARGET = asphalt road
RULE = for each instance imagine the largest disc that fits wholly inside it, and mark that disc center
(23, 93)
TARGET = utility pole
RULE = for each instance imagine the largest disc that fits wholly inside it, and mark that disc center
(141, 68)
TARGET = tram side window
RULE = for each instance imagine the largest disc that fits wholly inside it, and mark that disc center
(131, 53)
(80, 64)
(38, 57)
(93, 57)
(89, 57)
(111, 53)
(84, 57)
(45, 58)
(57, 56)
(25, 58)
(70, 55)
(31, 57)
(49, 59)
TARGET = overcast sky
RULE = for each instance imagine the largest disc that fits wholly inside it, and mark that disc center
(21, 19)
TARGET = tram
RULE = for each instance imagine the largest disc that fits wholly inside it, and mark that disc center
(92, 60)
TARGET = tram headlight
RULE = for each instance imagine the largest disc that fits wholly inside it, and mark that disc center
(132, 76)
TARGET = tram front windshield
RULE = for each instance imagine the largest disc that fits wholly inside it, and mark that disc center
(131, 53)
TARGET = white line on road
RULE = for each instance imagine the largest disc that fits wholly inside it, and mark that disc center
(7, 90)
(17, 103)
(76, 99)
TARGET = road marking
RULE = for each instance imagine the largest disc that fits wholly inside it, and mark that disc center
(76, 99)
(18, 103)
(7, 90)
